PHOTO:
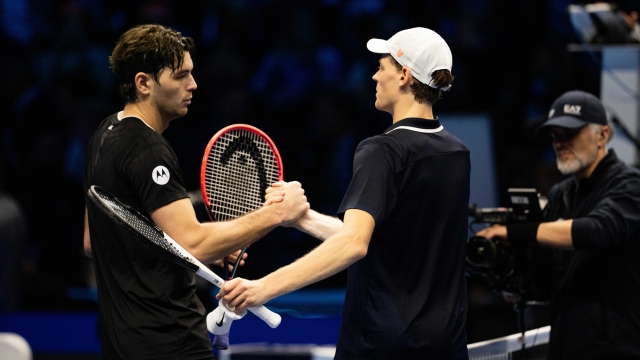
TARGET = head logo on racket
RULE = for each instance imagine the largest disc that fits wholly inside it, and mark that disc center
(243, 155)
(239, 164)
(160, 175)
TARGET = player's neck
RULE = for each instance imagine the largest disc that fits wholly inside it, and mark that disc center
(146, 113)
(410, 108)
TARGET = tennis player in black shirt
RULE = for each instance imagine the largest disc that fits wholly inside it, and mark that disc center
(593, 225)
(148, 305)
(405, 221)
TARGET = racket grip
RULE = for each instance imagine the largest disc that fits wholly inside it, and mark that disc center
(272, 319)
(221, 342)
(218, 323)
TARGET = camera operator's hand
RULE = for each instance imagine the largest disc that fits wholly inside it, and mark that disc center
(495, 231)
(511, 297)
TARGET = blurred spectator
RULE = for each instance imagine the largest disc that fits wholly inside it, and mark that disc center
(13, 236)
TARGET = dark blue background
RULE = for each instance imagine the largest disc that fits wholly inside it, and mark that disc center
(300, 71)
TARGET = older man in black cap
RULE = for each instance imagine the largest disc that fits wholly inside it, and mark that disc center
(594, 217)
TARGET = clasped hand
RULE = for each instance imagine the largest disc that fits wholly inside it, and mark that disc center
(288, 200)
(240, 294)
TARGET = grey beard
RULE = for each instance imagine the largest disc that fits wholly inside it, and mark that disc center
(578, 163)
(569, 167)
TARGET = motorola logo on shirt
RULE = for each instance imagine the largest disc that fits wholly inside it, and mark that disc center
(160, 175)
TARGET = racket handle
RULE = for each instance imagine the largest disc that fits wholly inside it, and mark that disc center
(272, 319)
(221, 342)
(210, 276)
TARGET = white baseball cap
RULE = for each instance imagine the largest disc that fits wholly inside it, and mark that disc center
(422, 50)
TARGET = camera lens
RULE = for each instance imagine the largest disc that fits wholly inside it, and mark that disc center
(481, 252)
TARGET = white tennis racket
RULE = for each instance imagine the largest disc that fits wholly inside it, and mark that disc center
(145, 230)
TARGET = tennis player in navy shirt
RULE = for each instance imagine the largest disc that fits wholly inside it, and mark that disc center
(404, 221)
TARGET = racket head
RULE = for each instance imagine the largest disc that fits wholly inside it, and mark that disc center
(239, 163)
(137, 224)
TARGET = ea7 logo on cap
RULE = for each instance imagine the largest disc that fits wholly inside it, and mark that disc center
(572, 109)
(160, 175)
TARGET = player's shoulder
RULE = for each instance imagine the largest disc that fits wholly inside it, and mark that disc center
(377, 150)
(134, 131)
(109, 120)
(378, 144)
(454, 142)
(105, 123)
(132, 140)
(372, 141)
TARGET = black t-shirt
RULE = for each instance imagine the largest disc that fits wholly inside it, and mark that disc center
(148, 305)
(407, 298)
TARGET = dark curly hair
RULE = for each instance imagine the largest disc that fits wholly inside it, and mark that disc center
(147, 49)
(423, 92)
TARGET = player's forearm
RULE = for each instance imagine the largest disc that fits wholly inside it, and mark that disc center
(332, 256)
(318, 225)
(224, 237)
(211, 241)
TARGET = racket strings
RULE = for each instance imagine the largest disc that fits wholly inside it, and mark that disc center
(141, 225)
(240, 166)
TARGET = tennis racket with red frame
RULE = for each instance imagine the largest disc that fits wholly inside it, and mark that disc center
(239, 164)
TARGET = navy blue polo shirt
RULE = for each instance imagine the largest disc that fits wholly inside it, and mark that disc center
(407, 298)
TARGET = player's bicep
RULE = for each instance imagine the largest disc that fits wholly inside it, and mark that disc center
(155, 176)
(178, 219)
(359, 225)
(373, 185)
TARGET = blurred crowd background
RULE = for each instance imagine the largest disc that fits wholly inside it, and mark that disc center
(298, 70)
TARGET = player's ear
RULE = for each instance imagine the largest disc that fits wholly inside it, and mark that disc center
(142, 82)
(405, 76)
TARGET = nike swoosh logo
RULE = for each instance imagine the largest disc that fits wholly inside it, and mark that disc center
(221, 321)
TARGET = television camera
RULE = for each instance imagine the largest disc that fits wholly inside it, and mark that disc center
(508, 266)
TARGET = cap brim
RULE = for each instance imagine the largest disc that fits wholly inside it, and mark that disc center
(568, 122)
(378, 46)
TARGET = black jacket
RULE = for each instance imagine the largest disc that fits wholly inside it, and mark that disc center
(596, 310)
